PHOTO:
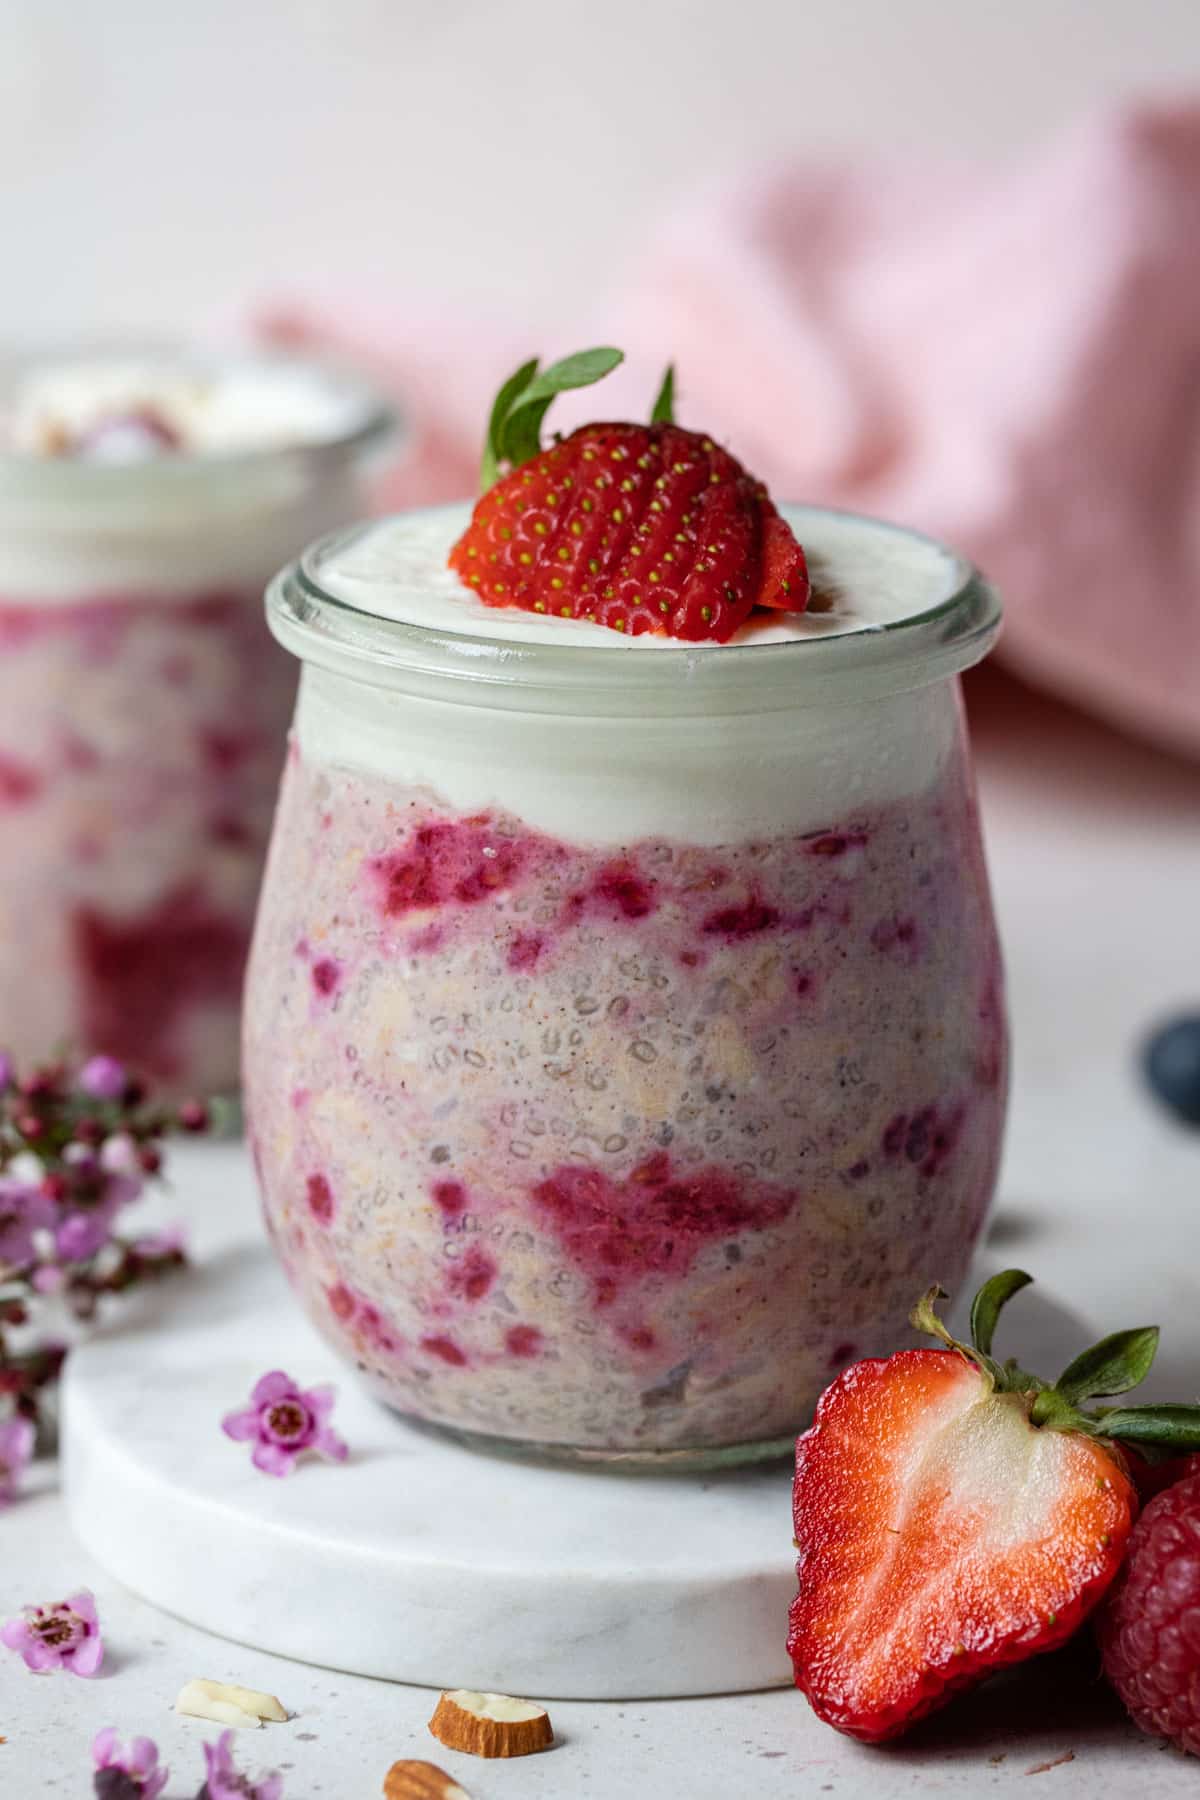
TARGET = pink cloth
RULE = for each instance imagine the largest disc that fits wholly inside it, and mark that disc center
(1011, 362)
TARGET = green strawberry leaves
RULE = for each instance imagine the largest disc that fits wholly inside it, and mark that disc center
(987, 1304)
(515, 427)
(489, 472)
(514, 433)
(663, 412)
(1171, 1427)
(522, 430)
(1113, 1366)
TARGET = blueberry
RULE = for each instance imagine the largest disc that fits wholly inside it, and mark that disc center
(1171, 1061)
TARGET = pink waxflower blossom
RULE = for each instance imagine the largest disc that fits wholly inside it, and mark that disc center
(170, 1241)
(119, 1155)
(103, 1078)
(225, 1782)
(283, 1421)
(16, 1451)
(63, 1636)
(81, 1231)
(24, 1211)
(132, 1774)
(27, 1168)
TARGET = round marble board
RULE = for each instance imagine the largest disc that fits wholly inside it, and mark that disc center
(417, 1560)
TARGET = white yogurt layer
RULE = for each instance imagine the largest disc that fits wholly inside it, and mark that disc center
(716, 776)
(168, 476)
(105, 408)
(872, 575)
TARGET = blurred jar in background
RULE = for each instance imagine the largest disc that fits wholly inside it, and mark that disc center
(144, 501)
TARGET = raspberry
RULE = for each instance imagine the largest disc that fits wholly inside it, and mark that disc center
(1149, 1627)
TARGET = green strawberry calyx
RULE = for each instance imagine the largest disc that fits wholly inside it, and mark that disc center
(1115, 1365)
(514, 433)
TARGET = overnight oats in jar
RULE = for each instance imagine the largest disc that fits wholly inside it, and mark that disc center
(625, 1040)
(144, 501)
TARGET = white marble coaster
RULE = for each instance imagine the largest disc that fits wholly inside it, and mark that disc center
(416, 1561)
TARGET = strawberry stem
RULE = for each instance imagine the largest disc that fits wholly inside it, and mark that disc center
(924, 1318)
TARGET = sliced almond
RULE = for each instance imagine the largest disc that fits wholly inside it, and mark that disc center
(412, 1780)
(490, 1724)
(197, 1706)
(228, 1704)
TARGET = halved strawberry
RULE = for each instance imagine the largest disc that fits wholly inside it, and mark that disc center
(637, 527)
(953, 1516)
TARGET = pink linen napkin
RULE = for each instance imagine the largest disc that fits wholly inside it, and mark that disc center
(1010, 361)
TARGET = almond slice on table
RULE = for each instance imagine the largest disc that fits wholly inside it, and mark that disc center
(413, 1780)
(228, 1704)
(490, 1724)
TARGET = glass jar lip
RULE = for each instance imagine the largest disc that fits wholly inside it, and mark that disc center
(370, 419)
(894, 655)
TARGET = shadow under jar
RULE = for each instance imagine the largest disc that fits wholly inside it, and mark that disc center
(143, 705)
(624, 1044)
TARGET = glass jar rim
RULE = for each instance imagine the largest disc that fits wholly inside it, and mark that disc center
(28, 477)
(893, 656)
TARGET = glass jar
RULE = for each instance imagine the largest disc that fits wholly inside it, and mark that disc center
(624, 1046)
(143, 716)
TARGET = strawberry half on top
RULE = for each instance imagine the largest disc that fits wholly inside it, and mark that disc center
(637, 527)
(953, 1516)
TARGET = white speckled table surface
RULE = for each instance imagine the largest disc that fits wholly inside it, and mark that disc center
(1095, 853)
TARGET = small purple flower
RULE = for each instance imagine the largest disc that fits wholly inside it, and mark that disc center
(16, 1452)
(119, 1155)
(226, 1783)
(103, 1078)
(84, 1230)
(27, 1168)
(132, 1774)
(155, 1245)
(24, 1211)
(8, 1071)
(63, 1636)
(283, 1421)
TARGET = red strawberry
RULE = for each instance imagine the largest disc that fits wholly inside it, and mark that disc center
(1149, 1627)
(953, 1516)
(637, 527)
